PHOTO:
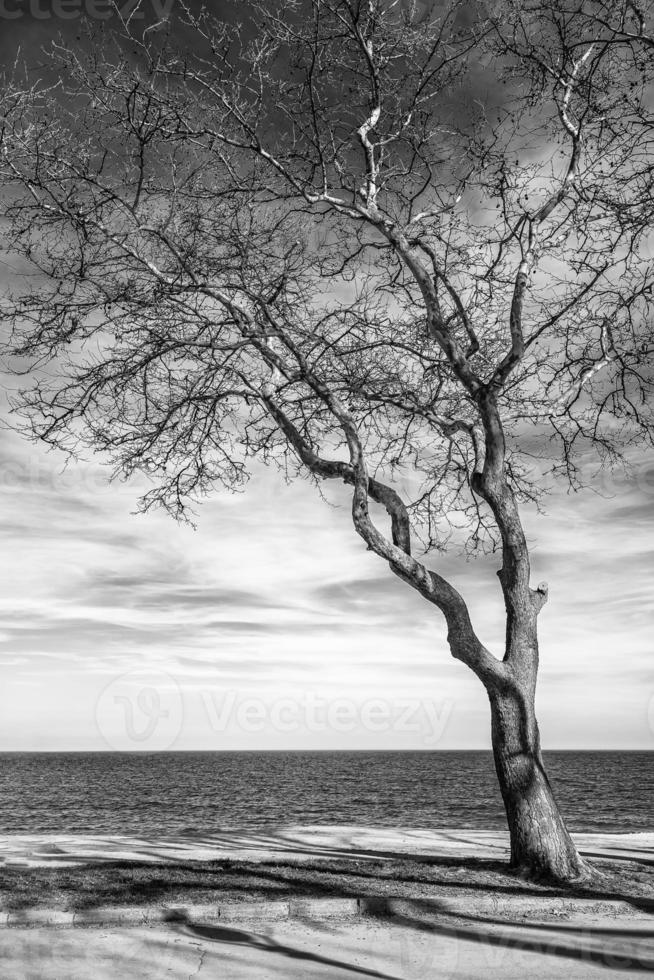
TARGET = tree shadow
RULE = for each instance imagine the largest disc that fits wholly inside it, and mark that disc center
(240, 937)
(611, 948)
(143, 882)
(388, 887)
(345, 843)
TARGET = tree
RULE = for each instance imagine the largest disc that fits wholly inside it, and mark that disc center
(404, 251)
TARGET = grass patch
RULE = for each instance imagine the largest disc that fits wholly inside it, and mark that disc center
(206, 882)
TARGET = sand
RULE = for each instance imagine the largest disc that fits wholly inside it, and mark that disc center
(357, 950)
(296, 843)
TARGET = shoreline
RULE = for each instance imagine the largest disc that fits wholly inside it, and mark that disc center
(297, 843)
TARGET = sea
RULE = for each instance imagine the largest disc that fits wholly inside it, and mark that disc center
(171, 793)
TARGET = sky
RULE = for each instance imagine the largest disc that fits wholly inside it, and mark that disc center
(269, 625)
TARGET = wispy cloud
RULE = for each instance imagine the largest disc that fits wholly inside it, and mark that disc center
(274, 595)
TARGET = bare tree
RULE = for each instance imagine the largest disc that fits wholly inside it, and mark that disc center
(407, 252)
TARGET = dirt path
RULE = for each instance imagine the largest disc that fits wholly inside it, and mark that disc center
(341, 951)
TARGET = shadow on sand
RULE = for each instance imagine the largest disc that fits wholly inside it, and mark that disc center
(619, 950)
(228, 935)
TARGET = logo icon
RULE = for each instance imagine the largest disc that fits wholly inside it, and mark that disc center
(140, 710)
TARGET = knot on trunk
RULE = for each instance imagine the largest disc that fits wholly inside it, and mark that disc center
(540, 594)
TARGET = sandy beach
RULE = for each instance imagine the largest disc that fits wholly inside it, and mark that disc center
(298, 843)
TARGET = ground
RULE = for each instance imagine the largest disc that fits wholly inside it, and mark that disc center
(349, 950)
(430, 904)
(187, 883)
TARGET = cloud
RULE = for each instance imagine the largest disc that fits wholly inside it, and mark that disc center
(275, 595)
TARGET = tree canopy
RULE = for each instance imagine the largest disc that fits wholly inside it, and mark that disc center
(408, 250)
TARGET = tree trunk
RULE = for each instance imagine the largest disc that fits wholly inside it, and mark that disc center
(541, 846)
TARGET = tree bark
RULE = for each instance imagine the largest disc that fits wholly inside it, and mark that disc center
(541, 846)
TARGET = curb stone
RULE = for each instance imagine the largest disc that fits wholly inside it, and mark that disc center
(310, 908)
(239, 911)
(108, 916)
(183, 913)
(534, 906)
(38, 917)
(225, 911)
(137, 915)
(324, 908)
